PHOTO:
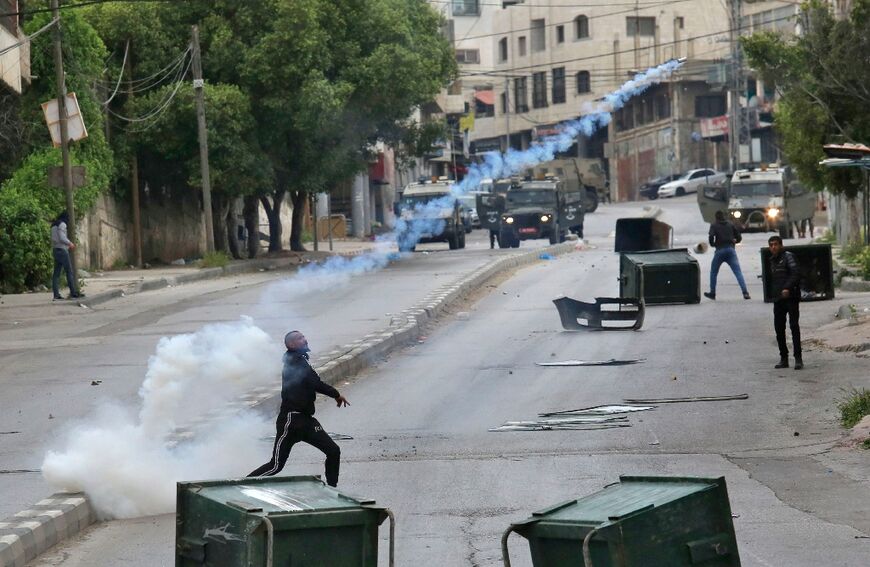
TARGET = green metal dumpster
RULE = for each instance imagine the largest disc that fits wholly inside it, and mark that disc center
(637, 522)
(817, 271)
(636, 234)
(294, 521)
(660, 276)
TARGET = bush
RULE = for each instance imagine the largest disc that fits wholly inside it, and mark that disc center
(854, 407)
(214, 260)
(25, 255)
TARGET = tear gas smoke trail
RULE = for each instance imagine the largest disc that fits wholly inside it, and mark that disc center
(425, 217)
(121, 460)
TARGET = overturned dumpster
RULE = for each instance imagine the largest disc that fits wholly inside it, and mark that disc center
(294, 521)
(636, 522)
(816, 267)
(660, 276)
(638, 234)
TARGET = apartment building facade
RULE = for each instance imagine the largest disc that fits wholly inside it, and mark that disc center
(14, 49)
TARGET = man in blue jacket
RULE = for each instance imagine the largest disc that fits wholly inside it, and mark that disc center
(300, 385)
(785, 282)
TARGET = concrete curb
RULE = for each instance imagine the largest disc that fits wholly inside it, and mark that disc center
(32, 532)
(854, 284)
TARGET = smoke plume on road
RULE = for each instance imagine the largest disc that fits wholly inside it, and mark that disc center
(120, 456)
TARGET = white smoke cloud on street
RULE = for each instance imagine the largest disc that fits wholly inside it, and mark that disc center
(120, 456)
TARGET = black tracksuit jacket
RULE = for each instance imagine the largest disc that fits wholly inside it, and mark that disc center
(784, 274)
(300, 384)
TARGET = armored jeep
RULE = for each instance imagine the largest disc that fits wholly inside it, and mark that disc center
(760, 199)
(429, 212)
(536, 209)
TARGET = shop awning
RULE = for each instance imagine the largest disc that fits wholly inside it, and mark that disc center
(486, 97)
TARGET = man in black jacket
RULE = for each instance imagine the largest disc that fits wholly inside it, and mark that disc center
(299, 387)
(785, 282)
(723, 237)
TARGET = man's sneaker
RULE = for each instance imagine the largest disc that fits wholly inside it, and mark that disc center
(76, 296)
(798, 363)
(57, 298)
(746, 295)
(783, 363)
(710, 295)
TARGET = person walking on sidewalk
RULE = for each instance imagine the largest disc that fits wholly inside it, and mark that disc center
(60, 249)
(300, 385)
(785, 282)
(723, 236)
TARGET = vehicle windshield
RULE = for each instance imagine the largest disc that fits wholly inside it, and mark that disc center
(412, 201)
(758, 189)
(531, 197)
(468, 201)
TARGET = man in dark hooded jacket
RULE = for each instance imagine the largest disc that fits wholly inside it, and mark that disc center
(785, 283)
(300, 385)
(723, 237)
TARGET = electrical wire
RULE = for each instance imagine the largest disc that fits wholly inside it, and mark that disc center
(170, 70)
(159, 109)
(120, 75)
(28, 38)
(82, 4)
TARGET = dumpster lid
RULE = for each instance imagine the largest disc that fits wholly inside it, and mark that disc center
(277, 495)
(629, 496)
(675, 255)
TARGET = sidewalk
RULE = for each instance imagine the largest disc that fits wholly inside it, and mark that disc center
(104, 286)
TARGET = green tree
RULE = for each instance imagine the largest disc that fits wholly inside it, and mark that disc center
(825, 91)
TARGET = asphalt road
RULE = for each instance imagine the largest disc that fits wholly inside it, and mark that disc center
(419, 420)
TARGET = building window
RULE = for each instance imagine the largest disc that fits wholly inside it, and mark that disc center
(503, 49)
(560, 34)
(466, 7)
(468, 56)
(521, 46)
(539, 89)
(583, 82)
(663, 106)
(559, 85)
(681, 23)
(645, 26)
(521, 95)
(539, 35)
(581, 27)
(710, 106)
(504, 105)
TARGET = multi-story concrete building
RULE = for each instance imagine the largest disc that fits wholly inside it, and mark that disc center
(528, 65)
(14, 49)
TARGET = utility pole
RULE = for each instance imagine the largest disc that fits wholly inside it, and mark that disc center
(134, 174)
(507, 112)
(64, 132)
(735, 125)
(203, 141)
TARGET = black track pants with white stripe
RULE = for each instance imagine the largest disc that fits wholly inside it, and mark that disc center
(291, 428)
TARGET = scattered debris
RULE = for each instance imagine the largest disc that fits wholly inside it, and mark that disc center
(797, 434)
(545, 256)
(179, 262)
(598, 410)
(606, 314)
(50, 416)
(96, 382)
(558, 427)
(9, 432)
(735, 515)
(463, 315)
(690, 399)
(18, 471)
(609, 362)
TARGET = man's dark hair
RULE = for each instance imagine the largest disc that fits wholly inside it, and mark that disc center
(775, 238)
(720, 216)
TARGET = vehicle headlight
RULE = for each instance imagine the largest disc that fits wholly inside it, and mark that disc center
(737, 214)
(509, 220)
(545, 218)
(773, 213)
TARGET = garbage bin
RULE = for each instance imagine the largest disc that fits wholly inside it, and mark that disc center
(660, 276)
(637, 234)
(636, 522)
(817, 271)
(294, 521)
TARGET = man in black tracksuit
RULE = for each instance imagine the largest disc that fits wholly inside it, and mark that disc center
(299, 387)
(785, 281)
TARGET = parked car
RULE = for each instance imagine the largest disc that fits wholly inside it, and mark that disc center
(650, 189)
(468, 202)
(690, 181)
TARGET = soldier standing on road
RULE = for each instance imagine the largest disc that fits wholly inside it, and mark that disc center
(493, 239)
(60, 249)
(299, 387)
(723, 237)
(785, 281)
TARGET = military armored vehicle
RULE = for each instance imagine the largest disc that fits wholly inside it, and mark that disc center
(429, 212)
(760, 199)
(536, 209)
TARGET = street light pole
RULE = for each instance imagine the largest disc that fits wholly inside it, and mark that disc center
(64, 133)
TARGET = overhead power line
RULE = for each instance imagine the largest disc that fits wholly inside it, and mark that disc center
(82, 4)
(28, 38)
